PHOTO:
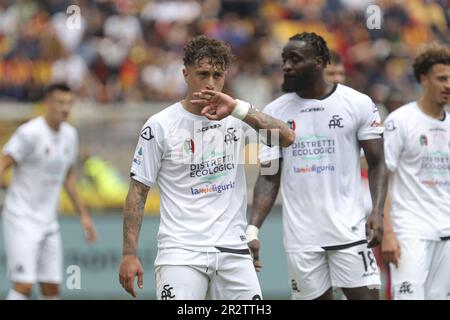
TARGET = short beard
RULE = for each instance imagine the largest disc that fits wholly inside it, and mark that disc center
(298, 83)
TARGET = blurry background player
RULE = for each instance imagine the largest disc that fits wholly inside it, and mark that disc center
(324, 224)
(43, 152)
(417, 141)
(335, 70)
(202, 248)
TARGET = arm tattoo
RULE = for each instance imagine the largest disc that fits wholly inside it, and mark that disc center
(258, 120)
(133, 213)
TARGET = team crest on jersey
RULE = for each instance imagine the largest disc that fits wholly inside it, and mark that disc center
(189, 146)
(423, 140)
(291, 124)
(336, 122)
(147, 134)
(231, 136)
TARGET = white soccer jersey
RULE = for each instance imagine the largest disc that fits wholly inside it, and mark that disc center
(197, 164)
(320, 179)
(417, 151)
(44, 157)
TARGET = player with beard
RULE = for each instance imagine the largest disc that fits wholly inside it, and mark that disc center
(326, 236)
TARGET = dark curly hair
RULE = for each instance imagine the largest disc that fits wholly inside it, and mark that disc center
(434, 53)
(316, 42)
(203, 47)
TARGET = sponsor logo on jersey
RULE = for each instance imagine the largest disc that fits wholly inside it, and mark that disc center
(291, 124)
(375, 124)
(314, 169)
(213, 188)
(313, 147)
(335, 122)
(213, 168)
(313, 109)
(147, 133)
(214, 126)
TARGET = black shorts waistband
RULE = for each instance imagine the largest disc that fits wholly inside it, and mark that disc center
(236, 251)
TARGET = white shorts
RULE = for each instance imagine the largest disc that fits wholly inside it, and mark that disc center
(423, 271)
(32, 253)
(207, 275)
(311, 274)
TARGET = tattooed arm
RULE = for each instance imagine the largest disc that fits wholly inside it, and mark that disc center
(276, 128)
(218, 105)
(264, 195)
(132, 221)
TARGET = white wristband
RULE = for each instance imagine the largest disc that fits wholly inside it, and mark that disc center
(251, 233)
(241, 109)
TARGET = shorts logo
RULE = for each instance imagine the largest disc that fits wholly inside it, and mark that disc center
(256, 297)
(294, 286)
(406, 288)
(146, 134)
(20, 269)
(166, 293)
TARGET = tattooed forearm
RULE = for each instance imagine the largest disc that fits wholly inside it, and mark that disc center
(264, 195)
(133, 213)
(276, 128)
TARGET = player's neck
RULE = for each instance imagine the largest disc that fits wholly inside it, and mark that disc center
(54, 125)
(431, 108)
(317, 90)
(194, 109)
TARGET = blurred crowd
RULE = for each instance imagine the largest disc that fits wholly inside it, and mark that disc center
(131, 50)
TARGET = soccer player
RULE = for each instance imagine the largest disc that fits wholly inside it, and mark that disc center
(43, 152)
(417, 141)
(326, 237)
(192, 150)
(335, 71)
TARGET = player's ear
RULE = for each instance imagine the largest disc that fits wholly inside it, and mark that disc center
(185, 74)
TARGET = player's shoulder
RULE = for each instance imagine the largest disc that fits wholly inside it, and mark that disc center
(165, 116)
(280, 102)
(405, 111)
(31, 127)
(352, 95)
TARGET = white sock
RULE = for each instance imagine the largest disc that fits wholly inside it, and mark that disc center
(14, 295)
(49, 297)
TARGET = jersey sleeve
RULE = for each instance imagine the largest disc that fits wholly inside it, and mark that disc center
(19, 145)
(394, 138)
(148, 154)
(369, 122)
